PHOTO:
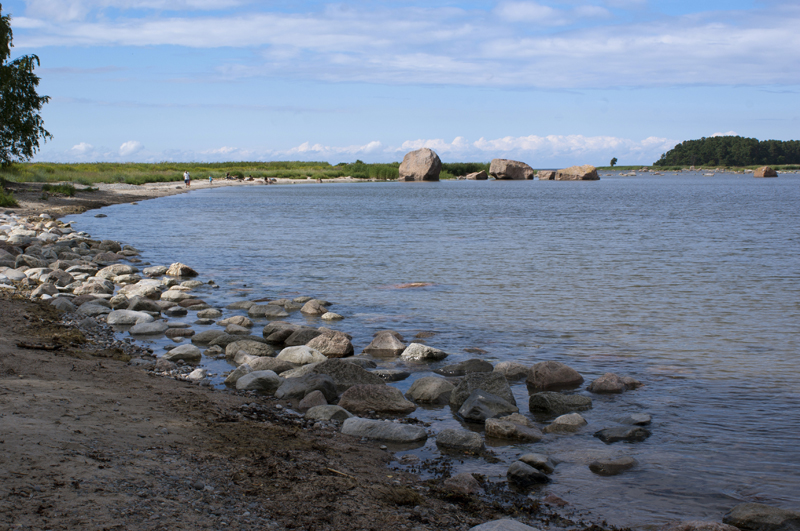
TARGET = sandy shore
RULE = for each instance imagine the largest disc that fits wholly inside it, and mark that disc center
(91, 442)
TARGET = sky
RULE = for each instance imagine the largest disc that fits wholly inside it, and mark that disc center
(550, 83)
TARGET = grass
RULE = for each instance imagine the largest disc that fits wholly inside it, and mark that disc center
(7, 199)
(64, 189)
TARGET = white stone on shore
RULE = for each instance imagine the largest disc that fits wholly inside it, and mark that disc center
(128, 317)
(419, 352)
(185, 352)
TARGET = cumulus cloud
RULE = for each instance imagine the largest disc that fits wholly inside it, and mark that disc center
(130, 147)
(577, 46)
(538, 151)
(729, 133)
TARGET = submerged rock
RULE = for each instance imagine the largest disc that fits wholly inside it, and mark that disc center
(612, 467)
(523, 475)
(760, 517)
(612, 435)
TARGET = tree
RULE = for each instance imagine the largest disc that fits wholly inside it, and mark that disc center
(21, 126)
(613, 162)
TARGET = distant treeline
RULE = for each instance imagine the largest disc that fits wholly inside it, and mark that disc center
(731, 151)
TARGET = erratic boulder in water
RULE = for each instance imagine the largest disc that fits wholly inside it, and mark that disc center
(379, 398)
(546, 175)
(760, 517)
(476, 176)
(612, 383)
(504, 169)
(550, 403)
(587, 172)
(765, 171)
(420, 165)
(383, 430)
(491, 382)
(552, 376)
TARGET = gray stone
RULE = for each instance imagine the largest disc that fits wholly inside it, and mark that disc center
(346, 374)
(267, 311)
(512, 370)
(505, 429)
(612, 435)
(175, 295)
(301, 336)
(697, 525)
(383, 430)
(491, 382)
(239, 320)
(460, 440)
(189, 353)
(210, 313)
(481, 405)
(639, 419)
(254, 348)
(149, 329)
(240, 305)
(116, 270)
(760, 517)
(539, 462)
(264, 363)
(363, 398)
(128, 317)
(385, 344)
(430, 390)
(587, 172)
(45, 289)
(233, 329)
(301, 355)
(314, 307)
(298, 388)
(240, 371)
(503, 525)
(420, 165)
(328, 412)
(391, 375)
(266, 382)
(62, 304)
(177, 311)
(524, 476)
(464, 483)
(462, 368)
(612, 384)
(155, 271)
(180, 270)
(568, 423)
(552, 376)
(332, 344)
(312, 399)
(419, 352)
(331, 316)
(612, 467)
(551, 403)
(142, 304)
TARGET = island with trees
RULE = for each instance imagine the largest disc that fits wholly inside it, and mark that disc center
(731, 151)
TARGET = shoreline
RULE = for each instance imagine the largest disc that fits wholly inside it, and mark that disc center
(92, 441)
(349, 450)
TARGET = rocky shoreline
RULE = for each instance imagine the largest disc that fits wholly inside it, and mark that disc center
(305, 377)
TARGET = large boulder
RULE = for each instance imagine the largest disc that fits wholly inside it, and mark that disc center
(760, 517)
(383, 430)
(765, 171)
(550, 403)
(491, 382)
(546, 175)
(420, 165)
(477, 176)
(552, 376)
(504, 169)
(430, 390)
(481, 405)
(379, 398)
(587, 172)
(385, 344)
(346, 375)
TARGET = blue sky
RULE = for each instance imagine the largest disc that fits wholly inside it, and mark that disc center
(552, 83)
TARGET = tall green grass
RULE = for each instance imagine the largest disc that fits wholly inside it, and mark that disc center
(7, 199)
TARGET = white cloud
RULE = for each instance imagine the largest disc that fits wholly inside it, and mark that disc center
(130, 148)
(729, 133)
(538, 151)
(530, 12)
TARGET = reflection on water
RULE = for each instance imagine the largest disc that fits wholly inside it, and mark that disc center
(686, 283)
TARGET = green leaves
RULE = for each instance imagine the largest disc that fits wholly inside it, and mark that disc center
(21, 125)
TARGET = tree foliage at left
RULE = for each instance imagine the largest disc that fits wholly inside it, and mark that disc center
(21, 125)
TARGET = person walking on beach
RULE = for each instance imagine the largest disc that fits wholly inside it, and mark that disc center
(187, 180)
(210, 180)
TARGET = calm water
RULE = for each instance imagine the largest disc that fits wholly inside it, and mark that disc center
(690, 284)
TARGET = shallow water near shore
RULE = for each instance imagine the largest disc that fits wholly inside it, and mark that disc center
(690, 284)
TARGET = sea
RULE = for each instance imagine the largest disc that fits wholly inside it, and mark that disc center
(687, 282)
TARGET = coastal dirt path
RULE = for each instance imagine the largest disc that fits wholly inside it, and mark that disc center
(88, 442)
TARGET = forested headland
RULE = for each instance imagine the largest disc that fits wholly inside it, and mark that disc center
(731, 151)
